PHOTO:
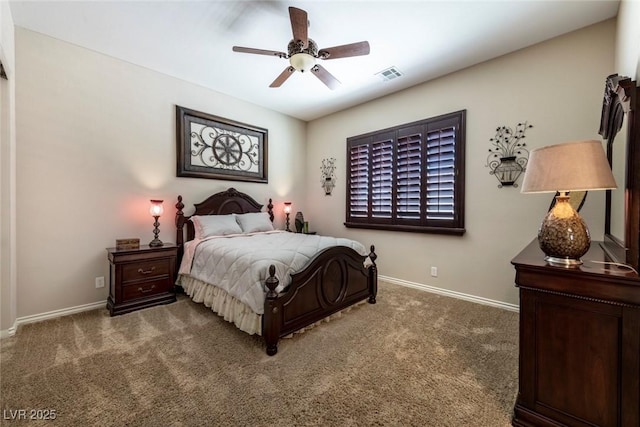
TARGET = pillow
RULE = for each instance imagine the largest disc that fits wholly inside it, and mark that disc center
(254, 222)
(215, 225)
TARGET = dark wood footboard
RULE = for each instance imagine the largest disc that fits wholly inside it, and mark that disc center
(334, 279)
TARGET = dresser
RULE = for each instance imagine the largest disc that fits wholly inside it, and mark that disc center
(140, 278)
(579, 342)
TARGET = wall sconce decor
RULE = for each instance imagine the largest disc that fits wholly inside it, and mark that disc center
(572, 166)
(156, 210)
(328, 180)
(287, 211)
(508, 156)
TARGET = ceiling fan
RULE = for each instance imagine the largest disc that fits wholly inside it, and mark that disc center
(303, 52)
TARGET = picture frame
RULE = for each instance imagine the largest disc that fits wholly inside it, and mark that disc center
(213, 147)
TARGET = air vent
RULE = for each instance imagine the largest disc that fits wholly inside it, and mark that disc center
(389, 74)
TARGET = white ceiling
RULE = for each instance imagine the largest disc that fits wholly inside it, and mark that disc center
(192, 40)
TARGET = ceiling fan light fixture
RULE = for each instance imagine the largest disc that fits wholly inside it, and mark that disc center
(303, 52)
(302, 62)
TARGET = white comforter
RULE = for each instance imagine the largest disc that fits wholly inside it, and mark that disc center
(239, 264)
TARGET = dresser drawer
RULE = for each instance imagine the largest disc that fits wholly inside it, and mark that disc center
(145, 289)
(145, 270)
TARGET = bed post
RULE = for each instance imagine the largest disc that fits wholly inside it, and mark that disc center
(373, 276)
(270, 209)
(271, 317)
(179, 230)
(179, 227)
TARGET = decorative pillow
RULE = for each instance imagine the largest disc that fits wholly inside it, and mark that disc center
(196, 227)
(254, 222)
(215, 225)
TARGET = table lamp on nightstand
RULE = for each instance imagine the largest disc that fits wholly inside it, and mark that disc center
(287, 211)
(156, 210)
(572, 166)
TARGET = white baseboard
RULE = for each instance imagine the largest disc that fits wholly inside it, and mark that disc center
(454, 294)
(6, 333)
(50, 315)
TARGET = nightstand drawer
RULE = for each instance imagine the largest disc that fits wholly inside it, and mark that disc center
(145, 270)
(144, 289)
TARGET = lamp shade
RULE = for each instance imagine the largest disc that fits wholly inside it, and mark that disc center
(287, 207)
(571, 166)
(156, 208)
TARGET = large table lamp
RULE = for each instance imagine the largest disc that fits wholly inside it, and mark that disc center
(571, 166)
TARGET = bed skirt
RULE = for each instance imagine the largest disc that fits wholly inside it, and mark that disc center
(224, 305)
(233, 310)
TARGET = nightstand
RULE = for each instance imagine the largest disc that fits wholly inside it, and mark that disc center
(140, 278)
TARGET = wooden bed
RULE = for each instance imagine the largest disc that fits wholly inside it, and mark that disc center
(333, 280)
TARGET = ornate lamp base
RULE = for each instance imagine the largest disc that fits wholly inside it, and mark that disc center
(563, 235)
(156, 242)
(562, 261)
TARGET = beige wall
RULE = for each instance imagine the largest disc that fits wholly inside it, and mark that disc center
(557, 86)
(7, 174)
(96, 142)
(628, 39)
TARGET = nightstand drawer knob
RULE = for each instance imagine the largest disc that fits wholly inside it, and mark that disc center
(141, 271)
(144, 291)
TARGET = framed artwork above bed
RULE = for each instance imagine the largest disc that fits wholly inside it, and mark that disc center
(217, 148)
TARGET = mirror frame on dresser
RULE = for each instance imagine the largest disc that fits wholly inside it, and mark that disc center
(621, 97)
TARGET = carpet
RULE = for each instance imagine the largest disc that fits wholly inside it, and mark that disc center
(414, 358)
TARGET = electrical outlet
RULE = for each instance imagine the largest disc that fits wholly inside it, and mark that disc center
(434, 271)
(100, 282)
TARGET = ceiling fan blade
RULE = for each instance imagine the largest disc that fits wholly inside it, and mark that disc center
(345, 50)
(260, 51)
(325, 76)
(282, 77)
(299, 24)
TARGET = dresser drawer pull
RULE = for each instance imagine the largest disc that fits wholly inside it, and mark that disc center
(141, 271)
(144, 291)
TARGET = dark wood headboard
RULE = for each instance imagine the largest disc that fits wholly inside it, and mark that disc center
(222, 203)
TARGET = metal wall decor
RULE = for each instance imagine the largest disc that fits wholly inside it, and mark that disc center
(328, 180)
(218, 148)
(508, 155)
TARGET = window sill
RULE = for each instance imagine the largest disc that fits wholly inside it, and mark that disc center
(408, 228)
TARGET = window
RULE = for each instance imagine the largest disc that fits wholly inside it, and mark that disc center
(410, 177)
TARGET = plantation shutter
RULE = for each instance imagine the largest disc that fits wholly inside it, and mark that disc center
(381, 178)
(409, 176)
(359, 181)
(441, 151)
